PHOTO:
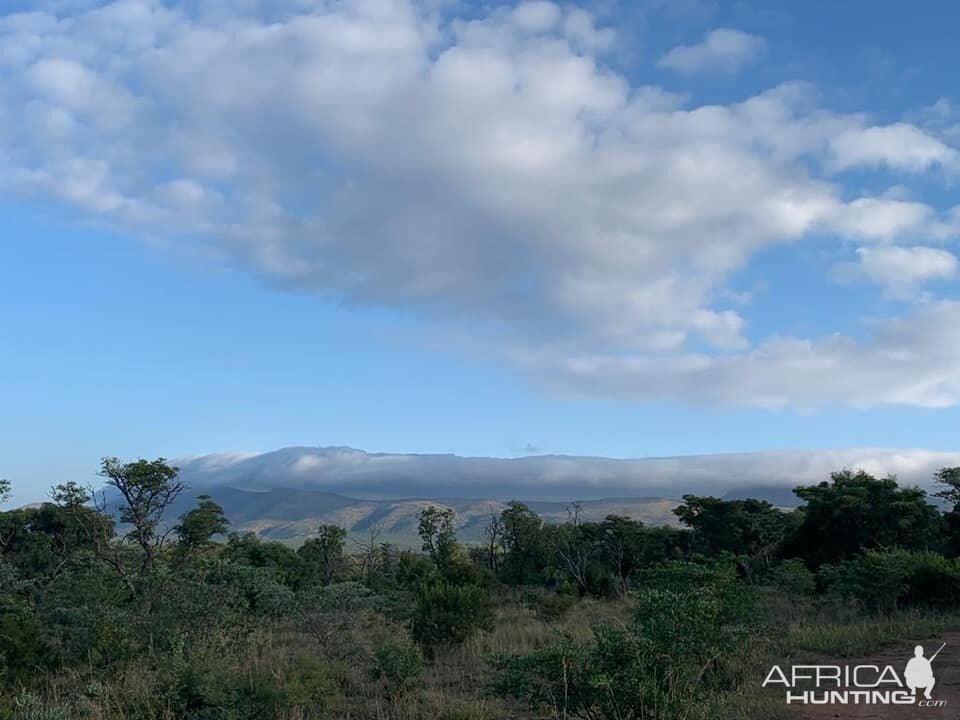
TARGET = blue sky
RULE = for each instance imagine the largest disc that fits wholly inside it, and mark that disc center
(620, 230)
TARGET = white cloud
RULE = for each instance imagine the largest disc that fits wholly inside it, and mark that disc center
(723, 50)
(354, 472)
(885, 219)
(899, 146)
(492, 173)
(911, 360)
(902, 271)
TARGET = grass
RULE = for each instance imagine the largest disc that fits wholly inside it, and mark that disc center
(455, 686)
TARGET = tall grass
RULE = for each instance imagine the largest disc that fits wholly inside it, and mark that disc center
(455, 685)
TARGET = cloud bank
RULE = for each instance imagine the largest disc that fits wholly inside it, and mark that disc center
(547, 477)
(497, 172)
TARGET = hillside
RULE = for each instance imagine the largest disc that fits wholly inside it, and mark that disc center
(556, 478)
(293, 514)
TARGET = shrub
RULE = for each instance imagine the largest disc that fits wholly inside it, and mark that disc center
(679, 650)
(210, 689)
(887, 580)
(794, 578)
(449, 614)
(555, 677)
(399, 666)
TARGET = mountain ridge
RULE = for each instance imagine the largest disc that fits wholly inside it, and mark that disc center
(293, 515)
(546, 477)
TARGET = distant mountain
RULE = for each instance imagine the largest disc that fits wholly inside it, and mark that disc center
(359, 474)
(293, 514)
(287, 493)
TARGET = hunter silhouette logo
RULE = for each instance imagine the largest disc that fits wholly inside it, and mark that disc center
(865, 684)
(919, 672)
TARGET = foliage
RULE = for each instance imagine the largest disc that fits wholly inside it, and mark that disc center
(198, 526)
(662, 665)
(855, 512)
(750, 530)
(585, 619)
(885, 581)
(399, 665)
(438, 535)
(147, 489)
(323, 557)
(448, 614)
(794, 577)
(209, 688)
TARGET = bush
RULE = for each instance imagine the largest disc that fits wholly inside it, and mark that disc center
(554, 678)
(885, 581)
(669, 663)
(448, 614)
(794, 578)
(211, 689)
(399, 666)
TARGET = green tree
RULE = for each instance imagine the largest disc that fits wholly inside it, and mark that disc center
(323, 556)
(947, 480)
(622, 543)
(147, 489)
(41, 541)
(280, 560)
(525, 549)
(855, 511)
(752, 530)
(198, 526)
(948, 484)
(439, 537)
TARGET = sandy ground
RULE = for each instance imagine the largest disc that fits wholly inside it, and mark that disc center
(946, 670)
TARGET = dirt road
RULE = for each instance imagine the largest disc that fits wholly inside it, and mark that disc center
(946, 670)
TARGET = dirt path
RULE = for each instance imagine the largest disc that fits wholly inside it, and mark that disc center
(946, 670)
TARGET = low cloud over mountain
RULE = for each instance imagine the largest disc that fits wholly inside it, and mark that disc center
(546, 477)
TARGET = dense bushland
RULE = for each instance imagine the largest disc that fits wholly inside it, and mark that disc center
(113, 611)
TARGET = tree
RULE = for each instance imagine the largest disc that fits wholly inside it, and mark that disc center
(438, 535)
(493, 535)
(948, 481)
(324, 554)
(41, 540)
(147, 489)
(525, 554)
(4, 496)
(622, 542)
(752, 530)
(855, 512)
(574, 547)
(371, 551)
(97, 526)
(200, 525)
